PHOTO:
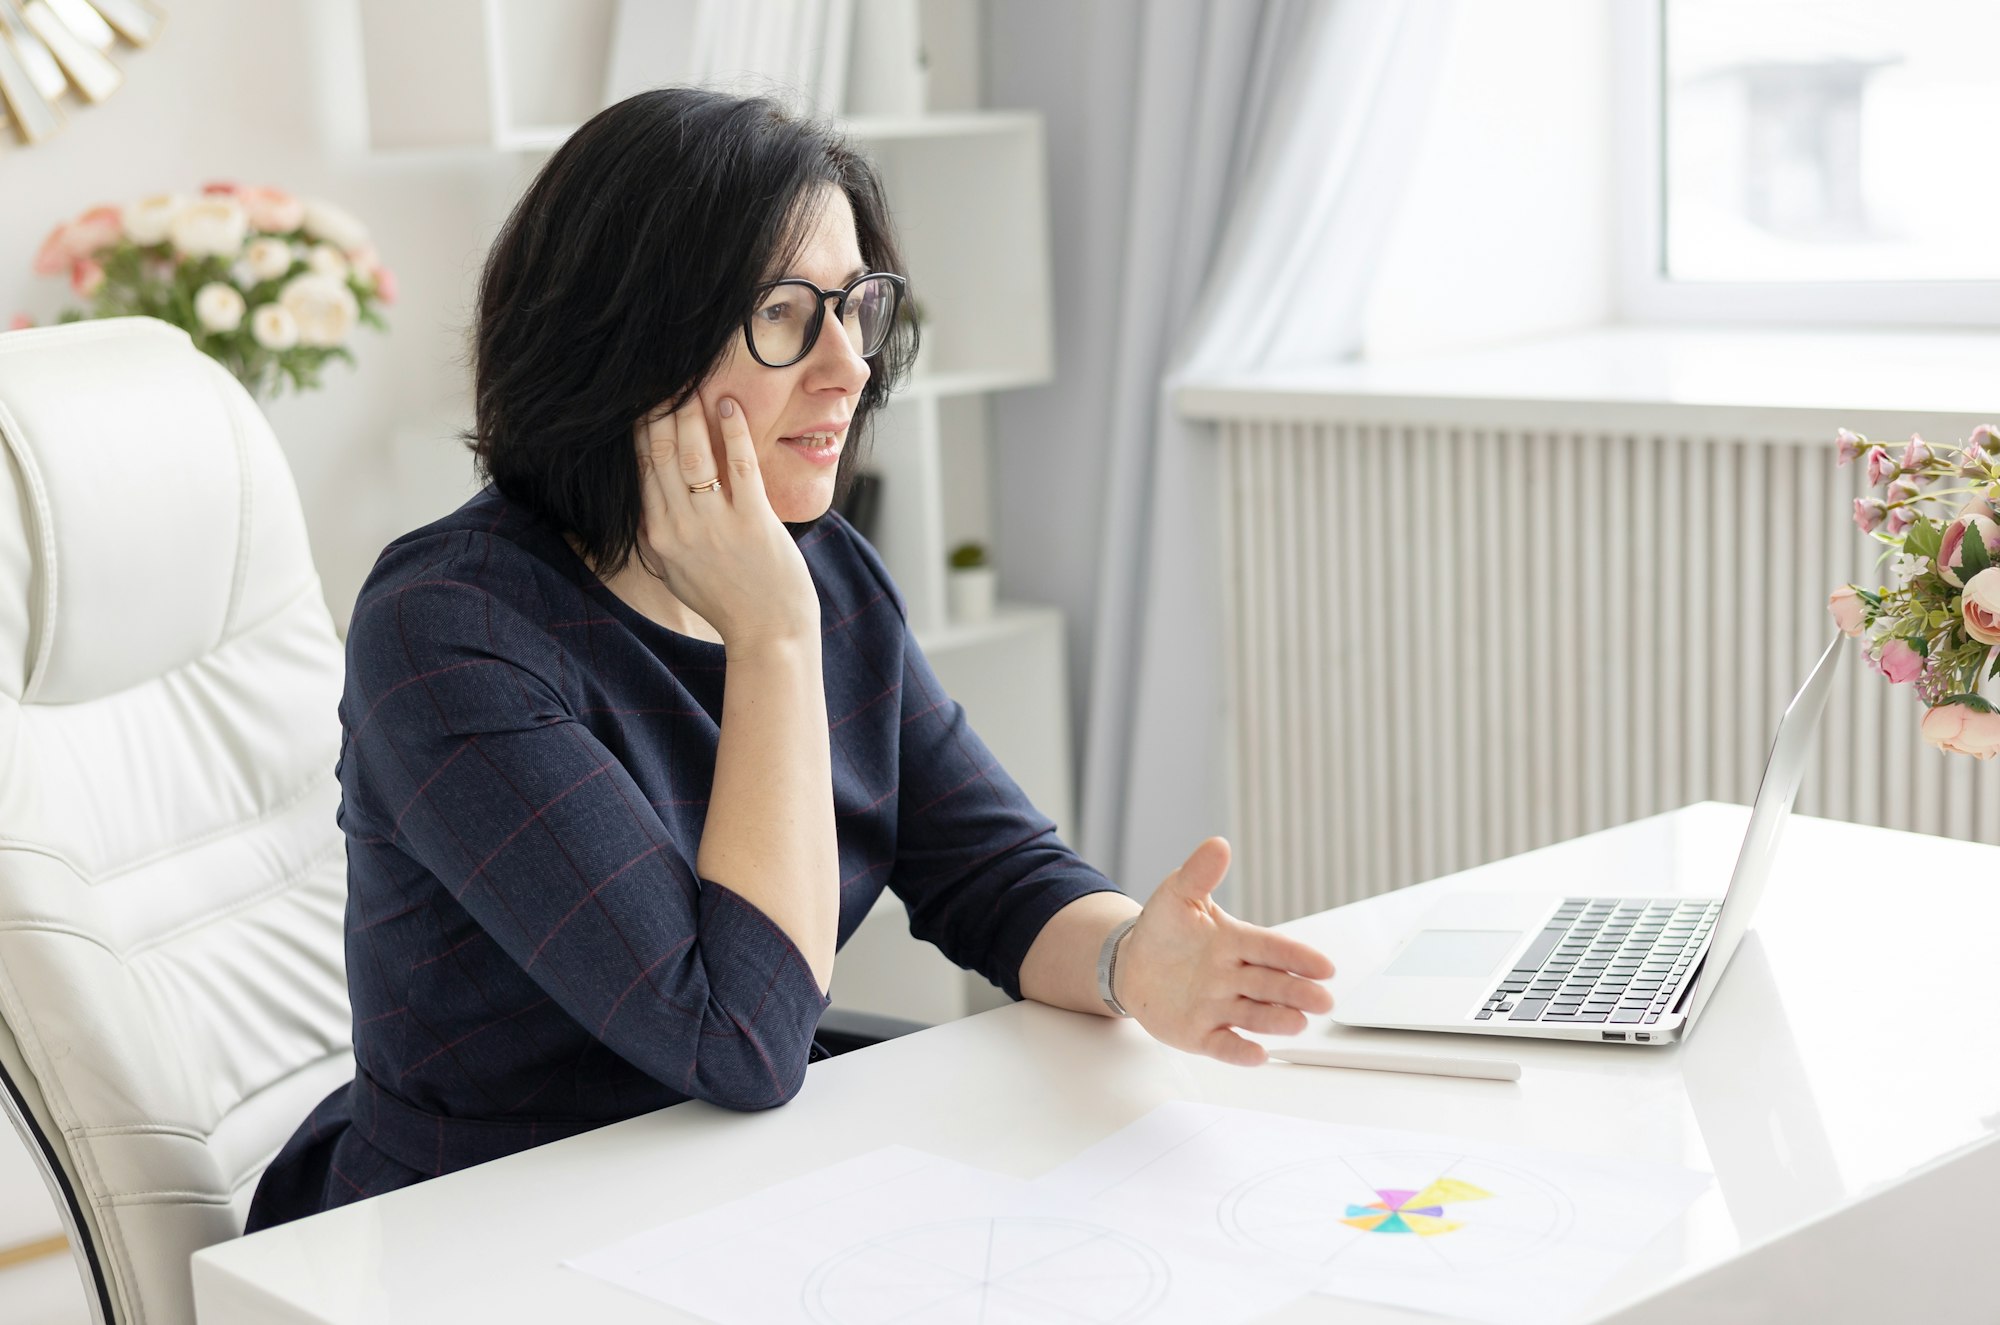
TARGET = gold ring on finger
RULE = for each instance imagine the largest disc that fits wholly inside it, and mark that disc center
(709, 486)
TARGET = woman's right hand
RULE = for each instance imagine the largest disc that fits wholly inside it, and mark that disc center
(723, 552)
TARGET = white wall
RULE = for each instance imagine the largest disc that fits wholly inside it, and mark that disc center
(1506, 230)
(271, 93)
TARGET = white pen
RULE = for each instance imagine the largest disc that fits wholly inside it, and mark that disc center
(1374, 1060)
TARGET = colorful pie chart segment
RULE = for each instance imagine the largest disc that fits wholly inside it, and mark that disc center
(1399, 1210)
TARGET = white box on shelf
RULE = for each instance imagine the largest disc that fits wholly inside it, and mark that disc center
(887, 73)
(949, 30)
(552, 60)
(482, 73)
(910, 57)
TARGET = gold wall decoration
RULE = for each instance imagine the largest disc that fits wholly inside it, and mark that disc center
(49, 48)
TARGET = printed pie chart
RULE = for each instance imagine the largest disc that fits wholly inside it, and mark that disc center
(1001, 1271)
(1420, 1211)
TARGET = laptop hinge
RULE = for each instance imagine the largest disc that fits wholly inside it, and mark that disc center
(1687, 990)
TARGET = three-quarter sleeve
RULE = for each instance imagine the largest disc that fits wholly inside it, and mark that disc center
(486, 778)
(980, 868)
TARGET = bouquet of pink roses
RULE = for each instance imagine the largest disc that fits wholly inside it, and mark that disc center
(270, 285)
(1936, 625)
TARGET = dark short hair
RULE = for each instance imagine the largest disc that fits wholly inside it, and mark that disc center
(619, 278)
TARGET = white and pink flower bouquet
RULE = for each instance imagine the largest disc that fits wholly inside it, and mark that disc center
(271, 285)
(1936, 625)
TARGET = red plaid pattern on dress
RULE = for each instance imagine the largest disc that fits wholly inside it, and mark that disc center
(525, 768)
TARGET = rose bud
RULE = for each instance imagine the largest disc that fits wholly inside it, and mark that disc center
(1881, 468)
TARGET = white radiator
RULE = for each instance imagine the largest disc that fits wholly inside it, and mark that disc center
(1450, 644)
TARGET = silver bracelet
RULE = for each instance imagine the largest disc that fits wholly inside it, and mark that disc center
(1107, 960)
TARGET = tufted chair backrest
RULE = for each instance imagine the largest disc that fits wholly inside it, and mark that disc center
(172, 879)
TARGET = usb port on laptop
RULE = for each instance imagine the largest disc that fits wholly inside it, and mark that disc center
(1614, 1035)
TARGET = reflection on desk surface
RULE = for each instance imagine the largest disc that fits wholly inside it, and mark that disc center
(1833, 1065)
(1767, 1144)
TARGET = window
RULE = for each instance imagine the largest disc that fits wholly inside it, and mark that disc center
(1821, 161)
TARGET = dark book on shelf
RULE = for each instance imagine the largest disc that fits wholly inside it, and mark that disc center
(864, 498)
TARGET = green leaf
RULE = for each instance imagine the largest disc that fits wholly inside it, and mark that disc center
(1973, 702)
(1973, 557)
(1995, 670)
(1923, 539)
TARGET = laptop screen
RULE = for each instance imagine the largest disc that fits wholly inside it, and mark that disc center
(1782, 774)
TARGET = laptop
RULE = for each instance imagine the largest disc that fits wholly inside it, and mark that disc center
(1627, 970)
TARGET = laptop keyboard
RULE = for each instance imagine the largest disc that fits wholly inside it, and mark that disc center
(1609, 959)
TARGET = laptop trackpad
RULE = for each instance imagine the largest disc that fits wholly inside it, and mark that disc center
(1454, 953)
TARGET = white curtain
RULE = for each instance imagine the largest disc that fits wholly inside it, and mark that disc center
(1271, 144)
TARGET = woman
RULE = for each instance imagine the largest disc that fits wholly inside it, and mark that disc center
(634, 739)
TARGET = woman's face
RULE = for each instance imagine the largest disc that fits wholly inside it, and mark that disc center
(814, 395)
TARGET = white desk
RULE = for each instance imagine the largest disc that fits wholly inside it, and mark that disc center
(1854, 1146)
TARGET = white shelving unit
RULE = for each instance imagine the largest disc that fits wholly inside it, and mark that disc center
(506, 75)
(971, 206)
(969, 192)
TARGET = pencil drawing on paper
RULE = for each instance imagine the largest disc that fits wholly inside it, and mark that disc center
(989, 1272)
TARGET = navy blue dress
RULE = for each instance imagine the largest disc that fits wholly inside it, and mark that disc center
(525, 767)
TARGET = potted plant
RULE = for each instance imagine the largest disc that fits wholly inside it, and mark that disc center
(972, 585)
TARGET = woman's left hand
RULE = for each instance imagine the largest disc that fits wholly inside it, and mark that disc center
(1193, 975)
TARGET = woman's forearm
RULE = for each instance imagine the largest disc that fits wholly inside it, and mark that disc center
(1061, 966)
(769, 835)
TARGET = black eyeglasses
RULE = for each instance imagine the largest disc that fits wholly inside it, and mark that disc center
(784, 319)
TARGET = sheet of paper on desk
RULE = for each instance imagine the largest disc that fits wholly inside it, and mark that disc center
(1435, 1223)
(900, 1235)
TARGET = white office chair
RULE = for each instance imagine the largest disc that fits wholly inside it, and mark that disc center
(172, 882)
